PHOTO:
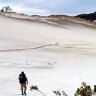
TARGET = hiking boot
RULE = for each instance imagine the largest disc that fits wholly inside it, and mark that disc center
(25, 93)
(22, 93)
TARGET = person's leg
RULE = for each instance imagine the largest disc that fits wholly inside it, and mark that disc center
(22, 88)
(25, 87)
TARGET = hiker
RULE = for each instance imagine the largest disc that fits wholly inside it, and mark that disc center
(23, 81)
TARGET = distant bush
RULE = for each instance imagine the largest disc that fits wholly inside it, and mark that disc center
(6, 9)
(90, 16)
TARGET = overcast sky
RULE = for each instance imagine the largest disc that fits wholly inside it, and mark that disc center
(48, 7)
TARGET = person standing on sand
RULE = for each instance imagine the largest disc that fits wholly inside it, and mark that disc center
(23, 82)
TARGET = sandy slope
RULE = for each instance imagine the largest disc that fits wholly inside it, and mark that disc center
(57, 57)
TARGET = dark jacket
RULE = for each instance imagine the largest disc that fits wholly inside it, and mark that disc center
(22, 78)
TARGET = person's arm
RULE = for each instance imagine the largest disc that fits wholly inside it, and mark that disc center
(27, 81)
(19, 77)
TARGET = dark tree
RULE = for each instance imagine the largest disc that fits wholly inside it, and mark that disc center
(6, 9)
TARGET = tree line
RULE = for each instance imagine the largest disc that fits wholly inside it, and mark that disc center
(90, 16)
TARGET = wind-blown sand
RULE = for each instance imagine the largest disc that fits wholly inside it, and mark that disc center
(52, 57)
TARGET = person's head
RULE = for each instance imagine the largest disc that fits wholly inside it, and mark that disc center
(22, 72)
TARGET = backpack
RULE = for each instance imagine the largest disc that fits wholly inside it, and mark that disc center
(21, 77)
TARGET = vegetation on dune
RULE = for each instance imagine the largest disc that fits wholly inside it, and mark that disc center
(84, 90)
(90, 16)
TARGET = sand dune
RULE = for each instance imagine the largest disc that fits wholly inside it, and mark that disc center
(15, 33)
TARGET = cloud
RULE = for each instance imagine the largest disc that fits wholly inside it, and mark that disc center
(47, 7)
(26, 6)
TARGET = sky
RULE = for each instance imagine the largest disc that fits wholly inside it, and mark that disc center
(51, 7)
